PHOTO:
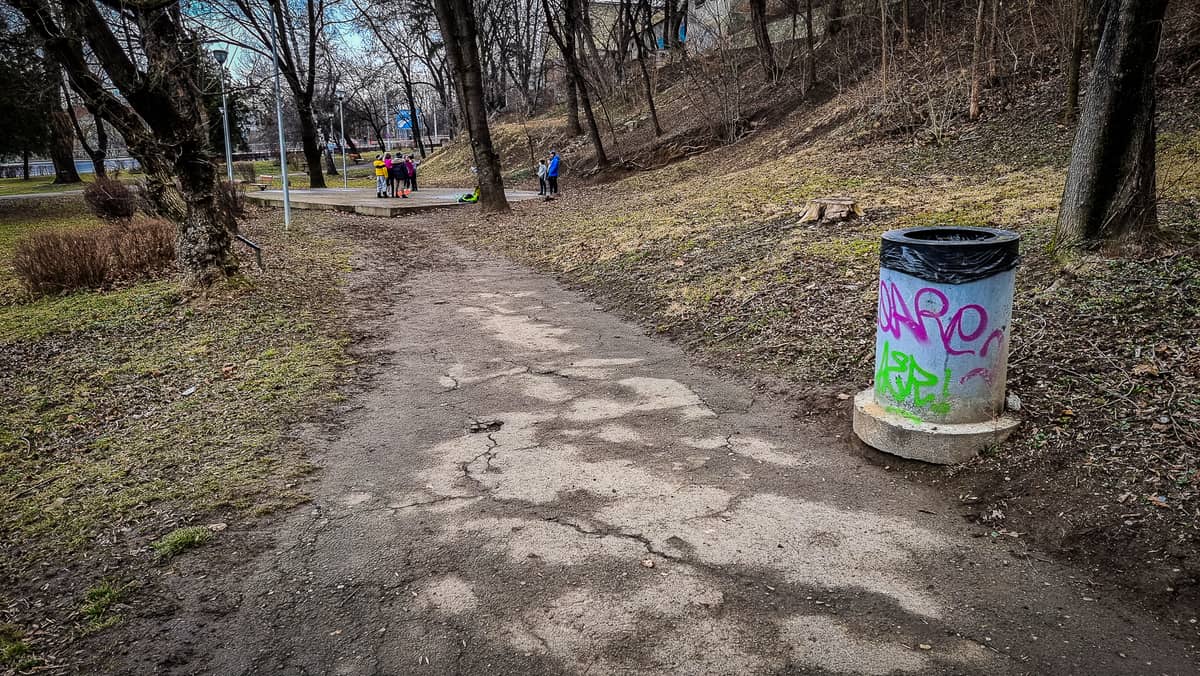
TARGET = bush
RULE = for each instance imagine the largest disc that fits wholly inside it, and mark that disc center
(231, 200)
(245, 171)
(66, 260)
(110, 199)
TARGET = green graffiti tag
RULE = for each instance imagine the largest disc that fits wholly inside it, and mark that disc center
(901, 379)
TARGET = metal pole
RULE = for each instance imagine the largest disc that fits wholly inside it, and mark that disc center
(225, 121)
(342, 123)
(287, 201)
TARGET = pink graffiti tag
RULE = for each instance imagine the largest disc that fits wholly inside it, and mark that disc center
(930, 303)
(985, 374)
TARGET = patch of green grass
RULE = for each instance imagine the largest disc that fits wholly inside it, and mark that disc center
(851, 250)
(87, 311)
(180, 540)
(39, 184)
(98, 602)
(14, 651)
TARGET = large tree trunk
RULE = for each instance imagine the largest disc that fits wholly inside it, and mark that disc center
(457, 20)
(62, 136)
(1110, 187)
(311, 141)
(762, 38)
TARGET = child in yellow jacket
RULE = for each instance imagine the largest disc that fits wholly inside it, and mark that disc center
(381, 173)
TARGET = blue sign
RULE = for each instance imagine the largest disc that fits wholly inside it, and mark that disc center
(404, 119)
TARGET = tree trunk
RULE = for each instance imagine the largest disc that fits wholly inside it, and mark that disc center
(883, 42)
(976, 53)
(1075, 60)
(412, 109)
(62, 134)
(1110, 187)
(811, 39)
(25, 164)
(96, 155)
(762, 38)
(904, 28)
(161, 115)
(565, 39)
(639, 42)
(311, 141)
(457, 21)
(573, 126)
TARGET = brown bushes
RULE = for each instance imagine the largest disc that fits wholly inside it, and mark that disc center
(110, 199)
(66, 260)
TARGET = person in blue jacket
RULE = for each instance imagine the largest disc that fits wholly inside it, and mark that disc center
(552, 173)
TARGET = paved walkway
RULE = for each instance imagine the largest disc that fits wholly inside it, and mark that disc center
(38, 195)
(366, 202)
(533, 486)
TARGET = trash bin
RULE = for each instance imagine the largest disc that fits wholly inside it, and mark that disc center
(941, 343)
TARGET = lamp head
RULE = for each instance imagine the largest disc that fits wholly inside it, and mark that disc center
(340, 95)
(220, 55)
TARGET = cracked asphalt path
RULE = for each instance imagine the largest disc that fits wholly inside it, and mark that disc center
(616, 510)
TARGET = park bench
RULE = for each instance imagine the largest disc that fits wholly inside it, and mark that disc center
(265, 181)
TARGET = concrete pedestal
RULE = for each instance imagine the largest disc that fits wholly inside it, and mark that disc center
(890, 429)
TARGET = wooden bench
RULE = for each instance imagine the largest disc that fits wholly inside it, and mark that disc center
(264, 182)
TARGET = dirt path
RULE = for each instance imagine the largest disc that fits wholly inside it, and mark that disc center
(533, 486)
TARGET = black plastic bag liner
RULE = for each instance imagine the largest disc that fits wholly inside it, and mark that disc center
(950, 255)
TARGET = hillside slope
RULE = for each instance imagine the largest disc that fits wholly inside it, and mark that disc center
(1106, 356)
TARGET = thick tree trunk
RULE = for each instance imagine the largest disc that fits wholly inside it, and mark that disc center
(976, 53)
(25, 164)
(1110, 187)
(457, 21)
(762, 38)
(311, 141)
(62, 134)
(573, 126)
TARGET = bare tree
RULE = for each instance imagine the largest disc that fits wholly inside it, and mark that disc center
(762, 38)
(564, 36)
(1110, 187)
(159, 112)
(457, 19)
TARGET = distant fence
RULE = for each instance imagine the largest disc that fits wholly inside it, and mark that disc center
(46, 168)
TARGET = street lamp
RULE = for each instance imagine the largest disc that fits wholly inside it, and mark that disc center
(220, 55)
(283, 169)
(342, 121)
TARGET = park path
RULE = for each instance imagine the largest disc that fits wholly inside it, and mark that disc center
(532, 486)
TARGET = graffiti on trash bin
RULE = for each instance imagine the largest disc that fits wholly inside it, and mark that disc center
(960, 331)
(902, 379)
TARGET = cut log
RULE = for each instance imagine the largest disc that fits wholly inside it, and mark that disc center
(831, 210)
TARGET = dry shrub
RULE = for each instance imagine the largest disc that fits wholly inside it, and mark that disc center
(66, 260)
(110, 199)
(245, 171)
(231, 200)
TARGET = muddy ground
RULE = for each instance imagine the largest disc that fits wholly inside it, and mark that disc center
(527, 484)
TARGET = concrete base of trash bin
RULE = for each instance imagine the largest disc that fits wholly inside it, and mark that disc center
(941, 443)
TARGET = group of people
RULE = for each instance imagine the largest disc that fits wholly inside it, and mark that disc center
(395, 177)
(547, 173)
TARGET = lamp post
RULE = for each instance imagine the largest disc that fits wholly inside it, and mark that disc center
(342, 122)
(283, 170)
(220, 55)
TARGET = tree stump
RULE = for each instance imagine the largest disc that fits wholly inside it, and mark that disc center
(831, 210)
